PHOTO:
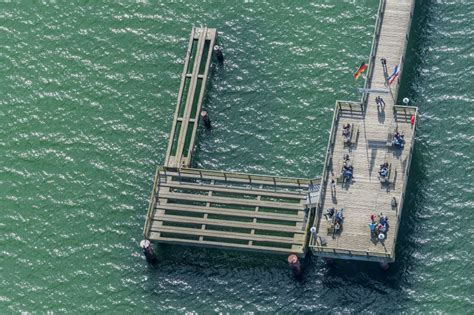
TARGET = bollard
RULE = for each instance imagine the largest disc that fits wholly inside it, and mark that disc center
(294, 264)
(219, 54)
(206, 120)
(148, 251)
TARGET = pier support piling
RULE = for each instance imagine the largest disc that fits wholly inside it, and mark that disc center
(206, 120)
(148, 251)
(219, 54)
(384, 266)
(295, 265)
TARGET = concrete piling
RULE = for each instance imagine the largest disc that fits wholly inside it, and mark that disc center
(148, 251)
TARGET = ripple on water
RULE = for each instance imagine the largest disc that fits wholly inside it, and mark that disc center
(88, 96)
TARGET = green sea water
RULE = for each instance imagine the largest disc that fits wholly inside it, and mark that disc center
(87, 96)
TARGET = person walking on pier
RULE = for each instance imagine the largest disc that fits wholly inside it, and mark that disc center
(379, 101)
(384, 66)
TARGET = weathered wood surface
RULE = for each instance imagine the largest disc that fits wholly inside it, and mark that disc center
(190, 97)
(239, 211)
(365, 195)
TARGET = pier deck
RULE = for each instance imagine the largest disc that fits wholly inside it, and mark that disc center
(370, 147)
(229, 210)
(190, 96)
(273, 214)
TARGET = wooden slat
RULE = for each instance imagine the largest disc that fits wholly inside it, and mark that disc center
(277, 182)
(231, 212)
(232, 201)
(235, 190)
(228, 235)
(210, 35)
(263, 249)
(189, 101)
(168, 158)
(236, 224)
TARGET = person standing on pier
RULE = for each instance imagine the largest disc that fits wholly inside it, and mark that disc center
(379, 101)
(384, 68)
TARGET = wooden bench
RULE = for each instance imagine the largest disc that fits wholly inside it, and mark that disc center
(386, 179)
(390, 136)
(389, 140)
(353, 135)
(391, 175)
(339, 169)
(339, 178)
(331, 224)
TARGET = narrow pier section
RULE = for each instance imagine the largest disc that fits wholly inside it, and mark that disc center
(369, 145)
(230, 210)
(190, 97)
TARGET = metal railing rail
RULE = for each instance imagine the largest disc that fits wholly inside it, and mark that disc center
(373, 51)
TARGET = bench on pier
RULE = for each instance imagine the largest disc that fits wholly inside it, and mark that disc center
(390, 136)
(353, 136)
(390, 178)
(340, 167)
(386, 178)
(333, 226)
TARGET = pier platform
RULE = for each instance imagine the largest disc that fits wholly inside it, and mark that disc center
(372, 130)
(230, 210)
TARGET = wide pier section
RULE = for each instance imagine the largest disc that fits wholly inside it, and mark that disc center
(364, 136)
(230, 210)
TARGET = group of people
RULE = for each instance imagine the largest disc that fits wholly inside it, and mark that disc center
(379, 101)
(346, 132)
(398, 140)
(383, 172)
(378, 229)
(347, 168)
(338, 220)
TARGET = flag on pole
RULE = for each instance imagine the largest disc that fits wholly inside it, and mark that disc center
(359, 71)
(394, 75)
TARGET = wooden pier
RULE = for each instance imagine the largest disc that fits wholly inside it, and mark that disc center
(222, 209)
(190, 96)
(230, 210)
(369, 146)
(273, 214)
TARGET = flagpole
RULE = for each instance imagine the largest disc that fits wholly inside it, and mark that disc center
(385, 75)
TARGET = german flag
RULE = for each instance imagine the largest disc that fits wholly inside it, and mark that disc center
(359, 71)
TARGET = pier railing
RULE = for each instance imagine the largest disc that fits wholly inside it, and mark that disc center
(408, 112)
(373, 50)
(152, 203)
(335, 252)
(243, 177)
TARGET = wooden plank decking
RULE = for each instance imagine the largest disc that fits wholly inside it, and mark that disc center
(273, 214)
(190, 97)
(365, 195)
(229, 210)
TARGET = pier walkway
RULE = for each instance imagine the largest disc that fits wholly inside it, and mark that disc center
(190, 96)
(370, 145)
